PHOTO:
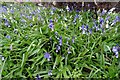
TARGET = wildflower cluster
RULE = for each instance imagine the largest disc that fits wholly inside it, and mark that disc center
(56, 42)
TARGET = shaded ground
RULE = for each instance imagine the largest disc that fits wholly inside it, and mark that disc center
(86, 5)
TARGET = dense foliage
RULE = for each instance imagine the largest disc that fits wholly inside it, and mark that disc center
(58, 43)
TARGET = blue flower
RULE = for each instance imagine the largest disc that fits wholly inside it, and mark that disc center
(76, 16)
(23, 20)
(88, 5)
(57, 48)
(7, 36)
(101, 25)
(47, 56)
(29, 17)
(103, 12)
(50, 72)
(6, 23)
(90, 31)
(77, 10)
(103, 30)
(117, 18)
(11, 47)
(73, 39)
(67, 8)
(83, 29)
(87, 27)
(67, 41)
(51, 25)
(115, 49)
(31, 24)
(56, 35)
(116, 54)
(107, 18)
(97, 28)
(12, 11)
(38, 77)
(4, 9)
(68, 49)
(2, 58)
(101, 20)
(60, 40)
(53, 8)
(51, 12)
(95, 25)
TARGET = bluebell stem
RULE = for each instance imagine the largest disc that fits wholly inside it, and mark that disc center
(67, 8)
(114, 22)
(38, 77)
(95, 25)
(68, 49)
(101, 20)
(73, 39)
(57, 48)
(67, 43)
(97, 28)
(38, 11)
(107, 24)
(107, 18)
(115, 49)
(47, 56)
(11, 47)
(103, 30)
(12, 11)
(83, 29)
(90, 31)
(74, 20)
(51, 25)
(60, 40)
(76, 16)
(116, 54)
(56, 35)
(101, 25)
(50, 72)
